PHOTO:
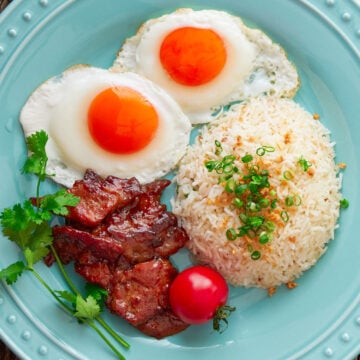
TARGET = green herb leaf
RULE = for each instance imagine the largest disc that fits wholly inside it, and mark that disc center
(19, 217)
(36, 142)
(57, 203)
(67, 295)
(87, 308)
(12, 272)
(36, 162)
(33, 257)
(98, 293)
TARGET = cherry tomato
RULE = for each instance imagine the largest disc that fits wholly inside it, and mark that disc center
(197, 293)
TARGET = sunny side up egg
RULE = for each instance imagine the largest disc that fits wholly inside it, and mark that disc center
(206, 59)
(114, 123)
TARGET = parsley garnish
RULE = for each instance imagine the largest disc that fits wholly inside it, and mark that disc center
(27, 225)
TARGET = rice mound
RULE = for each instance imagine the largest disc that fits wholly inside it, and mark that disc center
(202, 204)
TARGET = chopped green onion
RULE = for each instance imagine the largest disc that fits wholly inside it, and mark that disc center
(243, 230)
(228, 169)
(243, 218)
(272, 193)
(284, 216)
(224, 178)
(253, 206)
(218, 147)
(293, 200)
(255, 221)
(238, 202)
(273, 203)
(264, 203)
(256, 179)
(253, 187)
(269, 148)
(253, 169)
(228, 159)
(288, 175)
(297, 200)
(270, 226)
(264, 238)
(344, 203)
(230, 185)
(240, 189)
(260, 151)
(289, 201)
(231, 234)
(247, 158)
(210, 165)
(304, 163)
(255, 255)
(263, 149)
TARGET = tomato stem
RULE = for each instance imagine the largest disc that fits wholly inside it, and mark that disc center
(220, 319)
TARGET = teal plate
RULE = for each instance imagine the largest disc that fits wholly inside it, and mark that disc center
(320, 319)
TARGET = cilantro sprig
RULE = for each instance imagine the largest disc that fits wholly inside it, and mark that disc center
(27, 224)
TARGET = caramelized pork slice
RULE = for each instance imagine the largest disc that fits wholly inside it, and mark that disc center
(97, 270)
(100, 197)
(145, 228)
(163, 324)
(141, 292)
(70, 243)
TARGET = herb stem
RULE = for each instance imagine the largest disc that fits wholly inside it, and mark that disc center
(116, 336)
(106, 340)
(63, 272)
(47, 287)
(99, 319)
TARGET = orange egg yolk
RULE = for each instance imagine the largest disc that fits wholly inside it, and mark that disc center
(193, 56)
(121, 120)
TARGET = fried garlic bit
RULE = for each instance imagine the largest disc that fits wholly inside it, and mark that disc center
(291, 285)
(271, 291)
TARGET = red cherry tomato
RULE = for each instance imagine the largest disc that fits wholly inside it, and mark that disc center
(197, 293)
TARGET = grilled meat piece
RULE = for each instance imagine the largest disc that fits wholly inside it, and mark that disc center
(163, 324)
(70, 243)
(141, 292)
(140, 231)
(144, 228)
(100, 197)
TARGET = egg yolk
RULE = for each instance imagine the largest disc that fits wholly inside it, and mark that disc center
(193, 56)
(121, 120)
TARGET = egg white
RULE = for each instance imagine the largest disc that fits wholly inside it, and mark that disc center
(60, 106)
(255, 65)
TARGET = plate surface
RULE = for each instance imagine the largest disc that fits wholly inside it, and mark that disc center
(318, 320)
